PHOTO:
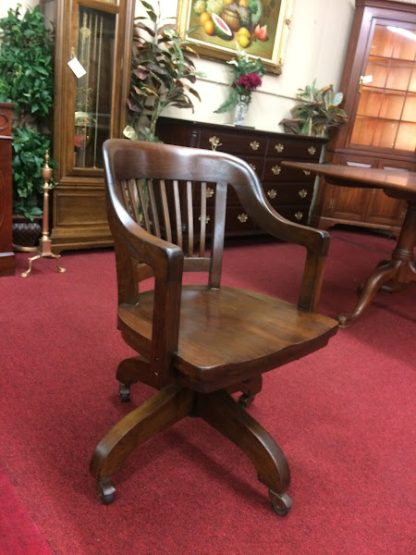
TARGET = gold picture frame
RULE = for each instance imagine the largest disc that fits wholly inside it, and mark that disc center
(262, 33)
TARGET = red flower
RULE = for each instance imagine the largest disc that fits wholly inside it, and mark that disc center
(250, 81)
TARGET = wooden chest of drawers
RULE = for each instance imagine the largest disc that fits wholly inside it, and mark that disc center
(289, 191)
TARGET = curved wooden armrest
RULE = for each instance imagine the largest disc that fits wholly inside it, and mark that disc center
(314, 240)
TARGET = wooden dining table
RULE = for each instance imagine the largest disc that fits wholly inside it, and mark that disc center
(400, 269)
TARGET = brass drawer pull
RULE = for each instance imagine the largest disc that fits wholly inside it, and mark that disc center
(210, 192)
(279, 147)
(276, 169)
(306, 172)
(215, 142)
(272, 193)
(312, 150)
(254, 145)
(242, 217)
(207, 219)
(303, 193)
(299, 215)
(253, 167)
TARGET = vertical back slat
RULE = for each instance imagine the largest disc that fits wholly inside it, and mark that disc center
(178, 214)
(141, 191)
(165, 211)
(203, 218)
(153, 207)
(218, 238)
(190, 218)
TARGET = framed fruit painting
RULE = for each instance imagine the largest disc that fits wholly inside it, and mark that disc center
(218, 28)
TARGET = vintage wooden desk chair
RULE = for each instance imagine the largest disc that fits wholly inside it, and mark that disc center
(198, 343)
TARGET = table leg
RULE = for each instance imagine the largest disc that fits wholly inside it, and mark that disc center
(393, 274)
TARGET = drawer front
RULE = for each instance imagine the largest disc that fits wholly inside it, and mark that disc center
(274, 171)
(233, 142)
(294, 194)
(308, 150)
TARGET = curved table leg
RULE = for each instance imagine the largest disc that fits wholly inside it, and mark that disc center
(393, 274)
(375, 282)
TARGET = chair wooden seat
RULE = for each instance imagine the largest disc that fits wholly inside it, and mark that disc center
(197, 344)
(216, 333)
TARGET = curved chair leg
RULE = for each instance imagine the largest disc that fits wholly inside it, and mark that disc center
(157, 413)
(230, 419)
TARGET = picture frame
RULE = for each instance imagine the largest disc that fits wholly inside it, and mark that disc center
(260, 27)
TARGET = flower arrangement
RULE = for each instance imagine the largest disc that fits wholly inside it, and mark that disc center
(247, 76)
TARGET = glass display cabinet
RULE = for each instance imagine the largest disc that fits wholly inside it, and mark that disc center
(379, 85)
(92, 74)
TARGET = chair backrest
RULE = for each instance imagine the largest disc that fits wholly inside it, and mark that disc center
(176, 194)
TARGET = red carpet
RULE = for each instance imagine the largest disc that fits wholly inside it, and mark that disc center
(344, 416)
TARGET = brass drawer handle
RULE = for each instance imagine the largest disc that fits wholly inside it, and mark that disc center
(210, 192)
(215, 142)
(303, 193)
(253, 167)
(207, 219)
(276, 169)
(272, 193)
(279, 147)
(299, 215)
(242, 217)
(254, 145)
(312, 150)
(306, 172)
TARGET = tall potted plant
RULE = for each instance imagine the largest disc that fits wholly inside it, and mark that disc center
(162, 73)
(26, 80)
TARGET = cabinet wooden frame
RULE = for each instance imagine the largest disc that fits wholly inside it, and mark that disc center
(370, 209)
(79, 213)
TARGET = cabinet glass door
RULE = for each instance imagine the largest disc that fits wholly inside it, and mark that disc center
(386, 114)
(92, 118)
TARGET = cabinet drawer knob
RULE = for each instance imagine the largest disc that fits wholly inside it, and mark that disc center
(272, 193)
(276, 169)
(210, 192)
(254, 145)
(279, 147)
(215, 142)
(306, 172)
(312, 150)
(299, 215)
(303, 193)
(242, 217)
(253, 167)
(207, 219)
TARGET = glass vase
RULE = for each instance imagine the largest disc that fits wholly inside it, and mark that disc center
(241, 109)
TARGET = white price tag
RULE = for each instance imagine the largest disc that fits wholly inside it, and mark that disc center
(77, 67)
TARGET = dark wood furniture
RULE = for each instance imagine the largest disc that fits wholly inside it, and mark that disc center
(196, 343)
(379, 86)
(88, 110)
(7, 260)
(400, 270)
(289, 191)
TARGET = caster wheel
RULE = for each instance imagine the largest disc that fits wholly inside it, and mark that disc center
(281, 502)
(107, 492)
(124, 392)
(246, 399)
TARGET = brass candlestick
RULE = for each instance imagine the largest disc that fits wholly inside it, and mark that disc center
(45, 243)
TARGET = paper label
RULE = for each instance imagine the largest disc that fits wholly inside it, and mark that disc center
(77, 67)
